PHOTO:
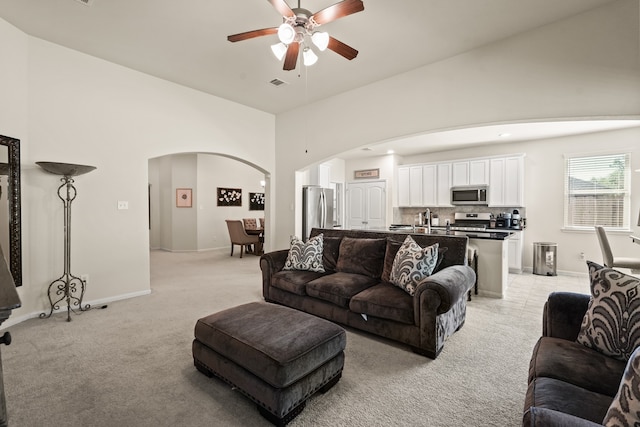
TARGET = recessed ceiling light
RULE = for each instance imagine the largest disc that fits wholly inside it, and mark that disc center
(390, 151)
(504, 135)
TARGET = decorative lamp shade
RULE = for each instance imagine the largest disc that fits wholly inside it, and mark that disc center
(321, 40)
(286, 33)
(279, 50)
(309, 57)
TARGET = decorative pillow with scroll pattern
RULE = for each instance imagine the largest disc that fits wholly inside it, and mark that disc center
(611, 324)
(412, 264)
(625, 408)
(305, 256)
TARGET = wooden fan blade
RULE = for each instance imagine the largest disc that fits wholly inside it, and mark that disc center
(252, 34)
(338, 10)
(283, 8)
(342, 49)
(292, 57)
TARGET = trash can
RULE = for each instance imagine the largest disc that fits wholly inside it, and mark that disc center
(544, 258)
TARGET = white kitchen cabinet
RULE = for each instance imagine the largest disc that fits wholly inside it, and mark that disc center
(443, 185)
(403, 187)
(430, 185)
(459, 174)
(410, 186)
(506, 181)
(515, 252)
(470, 172)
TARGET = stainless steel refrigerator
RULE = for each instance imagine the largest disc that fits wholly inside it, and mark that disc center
(317, 209)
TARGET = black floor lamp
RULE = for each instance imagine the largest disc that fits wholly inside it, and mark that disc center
(65, 288)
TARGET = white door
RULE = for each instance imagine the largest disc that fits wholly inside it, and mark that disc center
(367, 205)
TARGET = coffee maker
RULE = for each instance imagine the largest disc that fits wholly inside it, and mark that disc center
(515, 220)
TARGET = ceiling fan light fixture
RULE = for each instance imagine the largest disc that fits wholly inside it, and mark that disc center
(286, 33)
(321, 40)
(309, 58)
(279, 50)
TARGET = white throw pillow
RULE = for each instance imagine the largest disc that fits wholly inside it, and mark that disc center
(625, 408)
(611, 324)
(305, 256)
(412, 264)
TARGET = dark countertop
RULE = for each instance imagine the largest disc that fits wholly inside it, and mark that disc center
(486, 235)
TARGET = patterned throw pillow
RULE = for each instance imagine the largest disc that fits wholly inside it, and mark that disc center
(305, 256)
(611, 324)
(625, 408)
(412, 264)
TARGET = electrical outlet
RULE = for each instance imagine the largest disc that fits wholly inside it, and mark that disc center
(123, 204)
(85, 279)
(581, 255)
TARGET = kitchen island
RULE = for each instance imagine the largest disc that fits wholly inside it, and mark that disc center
(492, 251)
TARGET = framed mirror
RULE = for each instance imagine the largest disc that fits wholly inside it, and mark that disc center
(10, 216)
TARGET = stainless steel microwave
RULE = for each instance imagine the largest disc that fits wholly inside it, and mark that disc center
(469, 195)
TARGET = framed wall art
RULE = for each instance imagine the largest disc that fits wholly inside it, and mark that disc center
(229, 196)
(367, 174)
(183, 197)
(256, 201)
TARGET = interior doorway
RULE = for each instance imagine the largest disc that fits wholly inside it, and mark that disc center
(366, 205)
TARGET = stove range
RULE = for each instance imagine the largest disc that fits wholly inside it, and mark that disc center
(471, 221)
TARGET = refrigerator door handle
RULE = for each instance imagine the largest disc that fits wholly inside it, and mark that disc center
(323, 210)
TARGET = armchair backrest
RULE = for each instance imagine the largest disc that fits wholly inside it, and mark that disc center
(236, 231)
(607, 255)
(250, 223)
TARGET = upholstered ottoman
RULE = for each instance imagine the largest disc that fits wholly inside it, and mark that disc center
(275, 355)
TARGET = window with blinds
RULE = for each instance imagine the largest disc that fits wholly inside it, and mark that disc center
(597, 191)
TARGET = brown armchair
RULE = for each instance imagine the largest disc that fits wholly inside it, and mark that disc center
(239, 237)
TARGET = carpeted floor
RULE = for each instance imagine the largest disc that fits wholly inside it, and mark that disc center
(131, 364)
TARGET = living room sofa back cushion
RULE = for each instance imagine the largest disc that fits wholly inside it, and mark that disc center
(457, 245)
(330, 253)
(361, 256)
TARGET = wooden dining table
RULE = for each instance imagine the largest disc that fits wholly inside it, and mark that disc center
(258, 250)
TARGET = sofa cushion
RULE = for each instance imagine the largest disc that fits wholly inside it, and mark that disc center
(611, 324)
(576, 364)
(294, 281)
(338, 288)
(558, 395)
(361, 256)
(625, 408)
(305, 256)
(412, 264)
(386, 301)
(330, 252)
(390, 254)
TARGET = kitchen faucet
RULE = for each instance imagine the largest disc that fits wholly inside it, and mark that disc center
(427, 220)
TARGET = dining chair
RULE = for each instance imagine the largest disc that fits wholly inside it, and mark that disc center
(239, 237)
(262, 223)
(250, 223)
(614, 261)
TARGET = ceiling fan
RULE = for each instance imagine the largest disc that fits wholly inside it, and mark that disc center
(298, 26)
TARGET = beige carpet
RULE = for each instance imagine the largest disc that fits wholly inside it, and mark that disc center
(131, 364)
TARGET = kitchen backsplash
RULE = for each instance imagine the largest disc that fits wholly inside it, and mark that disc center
(409, 215)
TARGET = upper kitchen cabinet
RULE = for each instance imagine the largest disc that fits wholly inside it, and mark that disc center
(430, 185)
(506, 181)
(410, 186)
(470, 172)
(443, 184)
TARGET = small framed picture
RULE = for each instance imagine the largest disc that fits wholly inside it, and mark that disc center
(256, 201)
(183, 197)
(367, 174)
(229, 196)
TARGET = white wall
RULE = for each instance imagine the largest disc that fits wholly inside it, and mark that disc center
(584, 66)
(69, 107)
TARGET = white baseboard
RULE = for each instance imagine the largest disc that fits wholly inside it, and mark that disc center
(13, 320)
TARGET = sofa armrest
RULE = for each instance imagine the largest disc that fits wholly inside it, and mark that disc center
(270, 264)
(563, 314)
(537, 417)
(451, 284)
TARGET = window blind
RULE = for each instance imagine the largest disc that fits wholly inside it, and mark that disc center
(597, 191)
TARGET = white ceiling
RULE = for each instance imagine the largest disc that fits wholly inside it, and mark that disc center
(185, 42)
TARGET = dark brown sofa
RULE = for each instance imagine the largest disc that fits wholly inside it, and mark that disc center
(569, 384)
(354, 289)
